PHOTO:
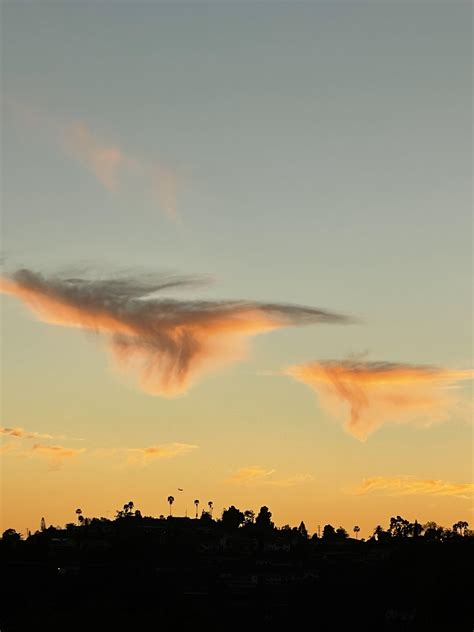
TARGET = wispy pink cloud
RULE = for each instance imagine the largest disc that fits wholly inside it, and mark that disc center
(103, 159)
(115, 167)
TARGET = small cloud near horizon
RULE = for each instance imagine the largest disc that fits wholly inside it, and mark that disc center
(256, 475)
(410, 485)
(144, 456)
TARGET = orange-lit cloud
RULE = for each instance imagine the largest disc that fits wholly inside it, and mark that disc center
(256, 475)
(250, 474)
(56, 454)
(366, 395)
(20, 433)
(144, 456)
(167, 343)
(407, 485)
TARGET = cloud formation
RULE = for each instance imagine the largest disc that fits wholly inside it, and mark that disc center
(256, 475)
(115, 167)
(20, 433)
(407, 485)
(144, 456)
(168, 343)
(376, 393)
(56, 454)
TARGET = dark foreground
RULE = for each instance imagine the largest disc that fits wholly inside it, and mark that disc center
(180, 574)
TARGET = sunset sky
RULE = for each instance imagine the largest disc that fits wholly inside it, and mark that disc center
(237, 260)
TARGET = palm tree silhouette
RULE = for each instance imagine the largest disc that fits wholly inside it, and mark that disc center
(171, 501)
(196, 504)
(356, 531)
(210, 504)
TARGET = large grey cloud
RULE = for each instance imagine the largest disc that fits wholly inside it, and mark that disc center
(168, 342)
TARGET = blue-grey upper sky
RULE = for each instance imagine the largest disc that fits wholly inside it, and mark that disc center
(321, 151)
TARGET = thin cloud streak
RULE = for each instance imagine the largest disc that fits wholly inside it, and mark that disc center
(57, 455)
(144, 456)
(21, 433)
(250, 474)
(257, 475)
(168, 343)
(409, 485)
(56, 451)
(381, 392)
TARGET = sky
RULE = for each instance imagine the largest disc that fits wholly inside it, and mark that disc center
(237, 260)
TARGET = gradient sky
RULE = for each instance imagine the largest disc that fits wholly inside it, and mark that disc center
(312, 153)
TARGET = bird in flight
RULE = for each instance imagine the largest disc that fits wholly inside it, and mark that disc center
(179, 489)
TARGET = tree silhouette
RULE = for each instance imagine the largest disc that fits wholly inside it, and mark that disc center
(232, 518)
(341, 533)
(356, 531)
(196, 504)
(249, 516)
(10, 535)
(416, 529)
(380, 535)
(400, 528)
(78, 514)
(460, 527)
(171, 501)
(263, 521)
(43, 525)
(210, 504)
(432, 531)
(302, 530)
(329, 533)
